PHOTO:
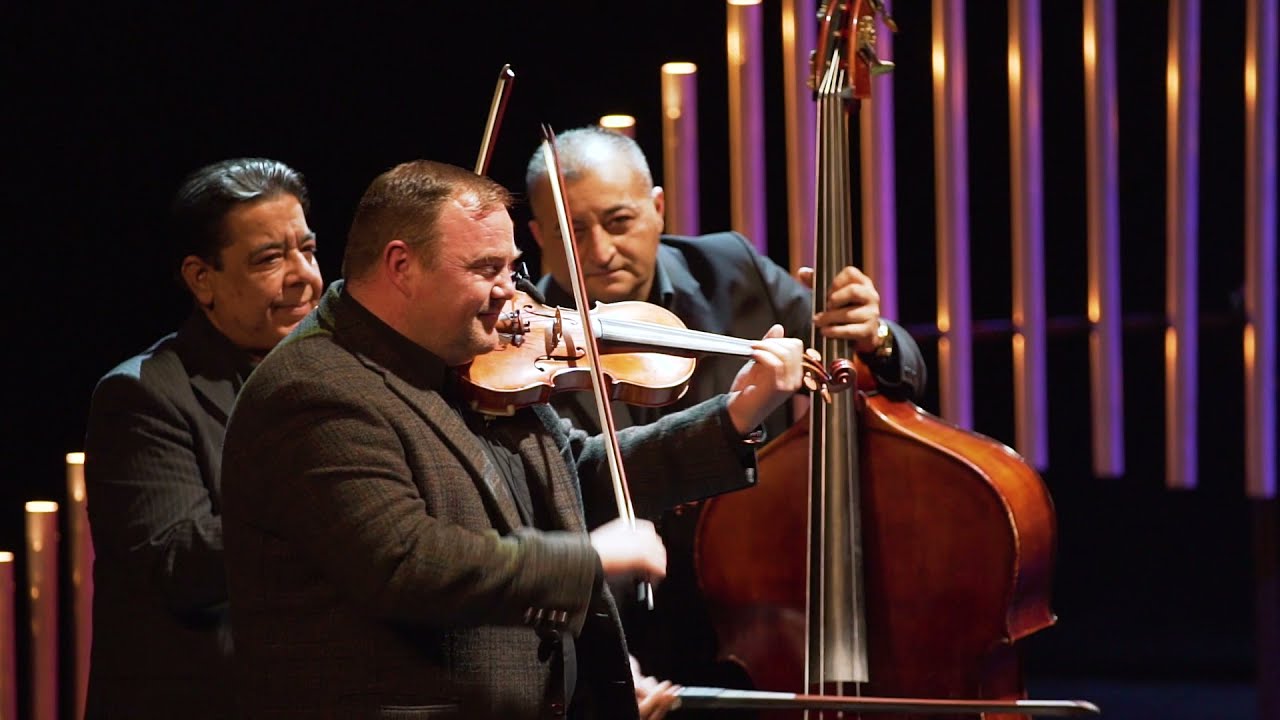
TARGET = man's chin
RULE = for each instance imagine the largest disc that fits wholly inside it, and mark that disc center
(611, 292)
(486, 342)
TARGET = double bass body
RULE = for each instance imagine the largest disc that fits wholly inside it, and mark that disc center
(958, 538)
(929, 548)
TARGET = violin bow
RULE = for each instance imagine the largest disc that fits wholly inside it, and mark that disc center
(498, 107)
(621, 491)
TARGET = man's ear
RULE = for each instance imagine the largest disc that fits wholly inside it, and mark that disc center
(660, 204)
(198, 275)
(397, 263)
(536, 231)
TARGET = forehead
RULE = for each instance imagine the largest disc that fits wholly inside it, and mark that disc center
(466, 232)
(603, 168)
(273, 216)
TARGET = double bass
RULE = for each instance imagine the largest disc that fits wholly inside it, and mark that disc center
(929, 548)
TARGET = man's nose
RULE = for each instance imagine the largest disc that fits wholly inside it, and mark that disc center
(505, 288)
(301, 269)
(596, 246)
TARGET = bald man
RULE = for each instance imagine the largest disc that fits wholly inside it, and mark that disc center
(714, 283)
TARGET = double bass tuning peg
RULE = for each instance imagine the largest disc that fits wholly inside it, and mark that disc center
(878, 7)
(867, 41)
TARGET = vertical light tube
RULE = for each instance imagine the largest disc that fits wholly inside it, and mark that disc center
(1260, 248)
(1026, 183)
(8, 641)
(42, 587)
(1182, 163)
(81, 560)
(746, 122)
(951, 183)
(1103, 209)
(625, 124)
(799, 38)
(879, 195)
(680, 147)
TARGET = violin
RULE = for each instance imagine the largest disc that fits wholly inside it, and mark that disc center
(646, 352)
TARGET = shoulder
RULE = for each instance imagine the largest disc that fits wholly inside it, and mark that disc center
(305, 366)
(714, 247)
(725, 262)
(725, 256)
(155, 372)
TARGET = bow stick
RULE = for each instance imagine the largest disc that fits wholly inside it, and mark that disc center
(506, 78)
(621, 491)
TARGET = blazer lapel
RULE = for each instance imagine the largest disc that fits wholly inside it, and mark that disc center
(547, 465)
(454, 432)
(688, 301)
(213, 364)
(220, 393)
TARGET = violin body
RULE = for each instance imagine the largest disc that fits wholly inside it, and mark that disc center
(958, 538)
(541, 352)
(647, 356)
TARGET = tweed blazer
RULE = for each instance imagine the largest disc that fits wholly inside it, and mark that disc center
(161, 638)
(377, 561)
(715, 283)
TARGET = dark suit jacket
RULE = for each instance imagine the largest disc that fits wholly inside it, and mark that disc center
(715, 283)
(378, 565)
(161, 641)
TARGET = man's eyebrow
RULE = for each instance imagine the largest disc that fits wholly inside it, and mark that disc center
(621, 206)
(269, 245)
(611, 210)
(280, 244)
(493, 259)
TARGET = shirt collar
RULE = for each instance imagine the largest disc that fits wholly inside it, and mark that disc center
(215, 356)
(662, 293)
(362, 332)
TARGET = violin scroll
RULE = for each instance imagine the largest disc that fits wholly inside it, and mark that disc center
(822, 379)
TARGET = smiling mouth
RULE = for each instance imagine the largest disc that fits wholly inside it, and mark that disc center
(302, 307)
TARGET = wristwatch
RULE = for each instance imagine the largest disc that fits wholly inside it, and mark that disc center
(884, 342)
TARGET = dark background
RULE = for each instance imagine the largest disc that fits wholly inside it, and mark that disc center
(108, 108)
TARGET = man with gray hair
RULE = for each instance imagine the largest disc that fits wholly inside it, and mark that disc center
(714, 283)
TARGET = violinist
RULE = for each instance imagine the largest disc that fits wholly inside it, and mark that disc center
(715, 283)
(390, 552)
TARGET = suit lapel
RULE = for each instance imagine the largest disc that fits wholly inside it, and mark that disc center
(219, 393)
(212, 363)
(453, 431)
(545, 462)
(687, 299)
